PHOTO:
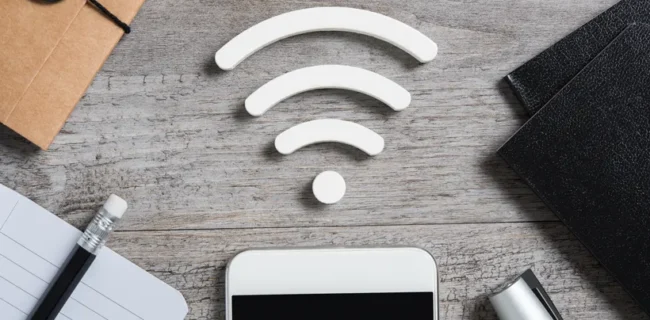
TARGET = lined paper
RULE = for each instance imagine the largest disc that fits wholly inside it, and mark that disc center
(34, 244)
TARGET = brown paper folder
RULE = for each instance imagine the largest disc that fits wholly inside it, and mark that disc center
(49, 55)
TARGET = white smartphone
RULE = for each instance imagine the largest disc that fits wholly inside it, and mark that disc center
(335, 283)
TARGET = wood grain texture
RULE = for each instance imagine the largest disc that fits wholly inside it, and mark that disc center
(165, 129)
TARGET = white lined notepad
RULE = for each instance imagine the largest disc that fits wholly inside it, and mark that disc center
(34, 243)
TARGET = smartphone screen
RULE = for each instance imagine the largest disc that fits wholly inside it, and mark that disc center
(348, 306)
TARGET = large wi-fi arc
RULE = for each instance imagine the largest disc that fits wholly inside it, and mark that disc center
(327, 77)
(325, 19)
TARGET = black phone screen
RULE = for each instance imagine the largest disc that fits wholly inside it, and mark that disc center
(354, 306)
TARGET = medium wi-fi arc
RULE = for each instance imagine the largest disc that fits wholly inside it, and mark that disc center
(329, 130)
(325, 19)
(327, 77)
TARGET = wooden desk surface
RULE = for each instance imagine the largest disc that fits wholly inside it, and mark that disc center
(163, 127)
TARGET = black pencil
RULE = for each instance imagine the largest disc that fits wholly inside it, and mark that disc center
(81, 258)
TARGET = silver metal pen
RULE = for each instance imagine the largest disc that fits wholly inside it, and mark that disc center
(524, 298)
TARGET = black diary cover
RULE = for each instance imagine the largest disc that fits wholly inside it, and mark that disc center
(539, 79)
(586, 154)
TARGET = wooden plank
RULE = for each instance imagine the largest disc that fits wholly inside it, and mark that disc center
(163, 127)
(472, 259)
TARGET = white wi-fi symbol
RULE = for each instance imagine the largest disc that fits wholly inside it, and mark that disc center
(329, 186)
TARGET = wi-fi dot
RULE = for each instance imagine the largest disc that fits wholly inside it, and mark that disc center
(328, 187)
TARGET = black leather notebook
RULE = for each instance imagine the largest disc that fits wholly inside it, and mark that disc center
(586, 154)
(539, 79)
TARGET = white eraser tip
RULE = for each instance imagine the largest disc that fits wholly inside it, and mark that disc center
(116, 206)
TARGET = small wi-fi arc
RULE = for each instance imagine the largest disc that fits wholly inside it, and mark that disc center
(328, 187)
(329, 130)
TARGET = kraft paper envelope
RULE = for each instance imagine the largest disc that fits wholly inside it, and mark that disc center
(49, 55)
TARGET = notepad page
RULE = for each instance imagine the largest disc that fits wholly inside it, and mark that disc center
(34, 244)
